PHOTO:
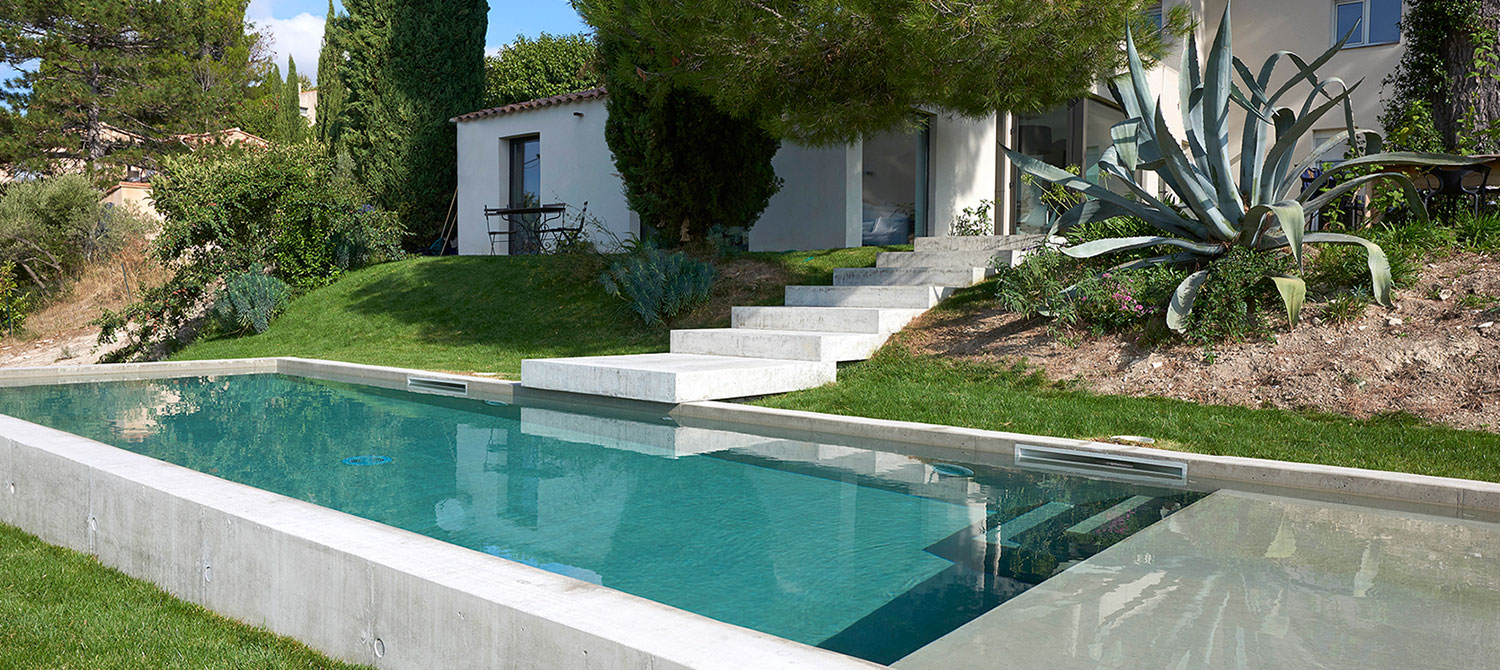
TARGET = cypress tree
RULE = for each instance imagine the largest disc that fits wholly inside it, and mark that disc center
(331, 90)
(687, 166)
(293, 128)
(411, 66)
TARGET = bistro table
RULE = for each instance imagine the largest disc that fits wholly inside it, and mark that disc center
(530, 230)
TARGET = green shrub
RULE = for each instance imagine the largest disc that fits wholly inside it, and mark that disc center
(15, 304)
(49, 228)
(1048, 283)
(658, 285)
(1232, 302)
(229, 210)
(1035, 286)
(686, 166)
(248, 301)
(974, 221)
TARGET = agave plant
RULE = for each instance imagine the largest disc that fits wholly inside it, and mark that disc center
(1262, 205)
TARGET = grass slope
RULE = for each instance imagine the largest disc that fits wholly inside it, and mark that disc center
(62, 609)
(900, 385)
(485, 314)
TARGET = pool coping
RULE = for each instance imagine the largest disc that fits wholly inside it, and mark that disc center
(515, 616)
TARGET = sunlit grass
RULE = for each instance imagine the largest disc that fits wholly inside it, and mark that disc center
(62, 609)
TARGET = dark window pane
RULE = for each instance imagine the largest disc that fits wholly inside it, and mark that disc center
(1350, 15)
(1384, 17)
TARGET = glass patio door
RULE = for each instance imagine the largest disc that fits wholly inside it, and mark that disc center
(894, 186)
(525, 191)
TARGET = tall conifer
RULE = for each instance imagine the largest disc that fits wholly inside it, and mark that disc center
(331, 91)
(412, 65)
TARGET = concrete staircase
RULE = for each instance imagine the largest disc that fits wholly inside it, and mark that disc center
(797, 346)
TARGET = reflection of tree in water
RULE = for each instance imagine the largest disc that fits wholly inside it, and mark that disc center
(281, 434)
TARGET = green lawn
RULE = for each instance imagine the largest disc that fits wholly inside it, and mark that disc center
(900, 385)
(62, 609)
(484, 314)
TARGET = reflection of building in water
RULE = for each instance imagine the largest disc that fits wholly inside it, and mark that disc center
(135, 424)
(545, 493)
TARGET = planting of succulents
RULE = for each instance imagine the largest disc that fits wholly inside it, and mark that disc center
(1213, 224)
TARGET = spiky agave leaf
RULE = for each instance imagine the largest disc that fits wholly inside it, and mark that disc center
(1181, 304)
(1293, 293)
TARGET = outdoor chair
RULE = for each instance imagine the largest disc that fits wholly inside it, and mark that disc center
(1450, 181)
(533, 230)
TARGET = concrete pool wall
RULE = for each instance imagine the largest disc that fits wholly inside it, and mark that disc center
(366, 592)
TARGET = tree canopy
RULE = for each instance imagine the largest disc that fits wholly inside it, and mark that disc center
(90, 69)
(827, 71)
(527, 69)
(412, 65)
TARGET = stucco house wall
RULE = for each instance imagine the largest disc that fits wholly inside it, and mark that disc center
(576, 167)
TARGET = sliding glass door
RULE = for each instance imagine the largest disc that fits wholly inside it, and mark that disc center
(1071, 136)
(895, 185)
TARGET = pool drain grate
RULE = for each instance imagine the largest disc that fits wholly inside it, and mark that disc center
(367, 460)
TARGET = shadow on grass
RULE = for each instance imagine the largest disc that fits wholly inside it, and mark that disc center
(549, 304)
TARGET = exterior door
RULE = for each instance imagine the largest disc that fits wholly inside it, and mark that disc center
(525, 191)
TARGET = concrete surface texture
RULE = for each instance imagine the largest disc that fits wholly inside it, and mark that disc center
(788, 348)
(1249, 581)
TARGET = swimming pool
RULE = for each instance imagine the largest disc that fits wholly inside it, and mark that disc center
(865, 552)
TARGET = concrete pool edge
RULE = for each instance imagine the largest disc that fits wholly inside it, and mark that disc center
(352, 588)
(405, 586)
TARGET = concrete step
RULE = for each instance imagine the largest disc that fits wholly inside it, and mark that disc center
(799, 345)
(824, 319)
(945, 260)
(898, 297)
(906, 277)
(977, 243)
(675, 378)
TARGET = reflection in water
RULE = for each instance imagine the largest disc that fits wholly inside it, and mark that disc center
(866, 552)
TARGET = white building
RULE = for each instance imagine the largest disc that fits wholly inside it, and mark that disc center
(889, 188)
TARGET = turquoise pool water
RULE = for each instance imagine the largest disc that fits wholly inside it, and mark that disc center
(866, 552)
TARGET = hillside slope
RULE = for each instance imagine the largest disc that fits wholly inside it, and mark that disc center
(485, 314)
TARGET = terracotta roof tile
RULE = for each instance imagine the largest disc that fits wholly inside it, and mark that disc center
(539, 103)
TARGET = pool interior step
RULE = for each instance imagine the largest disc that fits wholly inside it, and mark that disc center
(796, 345)
(673, 377)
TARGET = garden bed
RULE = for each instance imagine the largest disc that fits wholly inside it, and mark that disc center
(1432, 356)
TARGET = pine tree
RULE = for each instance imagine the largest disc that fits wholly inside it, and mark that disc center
(261, 114)
(331, 90)
(831, 71)
(412, 65)
(87, 68)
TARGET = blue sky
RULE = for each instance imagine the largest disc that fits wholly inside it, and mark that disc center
(296, 26)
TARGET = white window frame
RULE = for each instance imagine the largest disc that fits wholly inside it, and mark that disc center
(1363, 33)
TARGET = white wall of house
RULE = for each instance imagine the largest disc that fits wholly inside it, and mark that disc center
(1306, 27)
(962, 167)
(576, 167)
(818, 206)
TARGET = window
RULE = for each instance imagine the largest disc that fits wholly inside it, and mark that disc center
(1154, 15)
(1366, 22)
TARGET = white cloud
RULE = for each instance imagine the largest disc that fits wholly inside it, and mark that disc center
(300, 37)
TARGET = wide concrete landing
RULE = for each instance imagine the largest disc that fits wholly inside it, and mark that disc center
(675, 378)
(1248, 581)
